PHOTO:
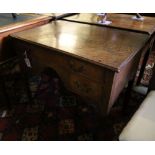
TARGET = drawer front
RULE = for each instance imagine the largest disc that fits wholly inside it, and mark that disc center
(91, 71)
(46, 57)
(55, 59)
(84, 87)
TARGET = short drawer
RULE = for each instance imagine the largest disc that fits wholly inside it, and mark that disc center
(91, 71)
(85, 87)
(42, 55)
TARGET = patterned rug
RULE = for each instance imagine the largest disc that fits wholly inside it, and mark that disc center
(58, 114)
(148, 69)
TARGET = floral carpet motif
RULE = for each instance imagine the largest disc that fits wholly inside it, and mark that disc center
(148, 69)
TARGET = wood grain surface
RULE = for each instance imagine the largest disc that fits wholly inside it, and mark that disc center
(123, 21)
(92, 61)
(107, 47)
(26, 22)
(9, 26)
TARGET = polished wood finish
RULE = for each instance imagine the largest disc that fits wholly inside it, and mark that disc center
(109, 48)
(16, 25)
(123, 21)
(6, 30)
(94, 62)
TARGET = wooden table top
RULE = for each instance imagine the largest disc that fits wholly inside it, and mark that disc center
(8, 23)
(104, 46)
(118, 20)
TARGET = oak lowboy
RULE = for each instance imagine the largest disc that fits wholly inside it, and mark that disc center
(94, 62)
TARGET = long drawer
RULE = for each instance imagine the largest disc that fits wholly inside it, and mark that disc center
(59, 60)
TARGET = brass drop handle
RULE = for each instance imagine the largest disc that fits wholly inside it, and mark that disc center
(76, 68)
